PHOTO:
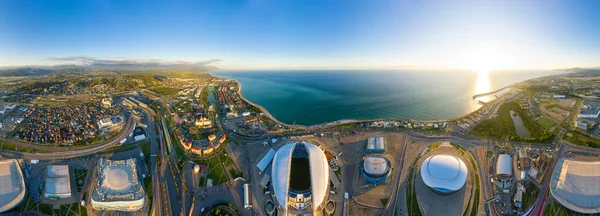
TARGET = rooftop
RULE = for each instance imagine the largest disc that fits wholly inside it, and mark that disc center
(57, 179)
(590, 108)
(444, 172)
(504, 165)
(376, 165)
(576, 185)
(12, 185)
(376, 143)
(117, 181)
(282, 168)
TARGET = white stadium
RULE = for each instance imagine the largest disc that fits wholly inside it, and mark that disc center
(118, 186)
(444, 174)
(300, 179)
(12, 185)
(576, 185)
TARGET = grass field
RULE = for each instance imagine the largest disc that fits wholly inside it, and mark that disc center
(546, 123)
(581, 139)
(166, 91)
(11, 147)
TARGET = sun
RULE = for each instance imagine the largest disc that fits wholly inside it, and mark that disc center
(482, 58)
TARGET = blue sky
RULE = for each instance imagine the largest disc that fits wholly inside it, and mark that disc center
(261, 34)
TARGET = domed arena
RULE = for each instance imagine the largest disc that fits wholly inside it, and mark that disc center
(444, 174)
(300, 178)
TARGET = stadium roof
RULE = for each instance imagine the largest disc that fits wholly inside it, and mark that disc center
(590, 108)
(57, 180)
(12, 185)
(280, 173)
(504, 165)
(576, 185)
(117, 181)
(375, 165)
(444, 173)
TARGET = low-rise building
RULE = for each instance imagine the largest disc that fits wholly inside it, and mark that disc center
(6, 107)
(107, 102)
(590, 109)
(212, 137)
(203, 122)
(518, 198)
(376, 145)
(58, 183)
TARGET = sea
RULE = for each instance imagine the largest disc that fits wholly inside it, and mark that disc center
(309, 97)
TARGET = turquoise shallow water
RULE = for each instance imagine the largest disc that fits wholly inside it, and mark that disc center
(319, 96)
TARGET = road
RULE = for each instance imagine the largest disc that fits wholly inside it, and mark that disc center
(154, 154)
(66, 153)
(396, 191)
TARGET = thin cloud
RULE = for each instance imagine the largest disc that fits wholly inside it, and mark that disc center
(86, 60)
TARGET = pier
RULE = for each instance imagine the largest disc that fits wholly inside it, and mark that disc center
(489, 93)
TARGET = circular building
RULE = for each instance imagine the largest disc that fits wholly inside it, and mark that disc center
(375, 168)
(12, 185)
(300, 179)
(444, 174)
(118, 186)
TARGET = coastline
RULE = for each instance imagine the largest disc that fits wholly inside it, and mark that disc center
(262, 109)
(341, 121)
(349, 121)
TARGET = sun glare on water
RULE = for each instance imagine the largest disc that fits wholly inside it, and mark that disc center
(483, 84)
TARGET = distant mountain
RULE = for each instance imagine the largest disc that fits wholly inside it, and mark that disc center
(25, 71)
(584, 72)
(132, 68)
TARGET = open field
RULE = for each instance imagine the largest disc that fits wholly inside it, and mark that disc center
(581, 139)
(554, 111)
(547, 123)
(166, 91)
(568, 103)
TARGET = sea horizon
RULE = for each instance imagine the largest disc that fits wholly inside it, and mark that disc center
(311, 97)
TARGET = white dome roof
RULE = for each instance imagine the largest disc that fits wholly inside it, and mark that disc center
(444, 173)
(319, 173)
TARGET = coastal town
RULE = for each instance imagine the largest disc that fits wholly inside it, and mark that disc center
(196, 146)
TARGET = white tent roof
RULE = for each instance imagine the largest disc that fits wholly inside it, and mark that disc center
(444, 172)
(264, 162)
(319, 173)
(504, 166)
(376, 143)
(57, 179)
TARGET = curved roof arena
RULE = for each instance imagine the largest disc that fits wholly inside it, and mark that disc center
(576, 185)
(319, 173)
(444, 173)
(12, 185)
